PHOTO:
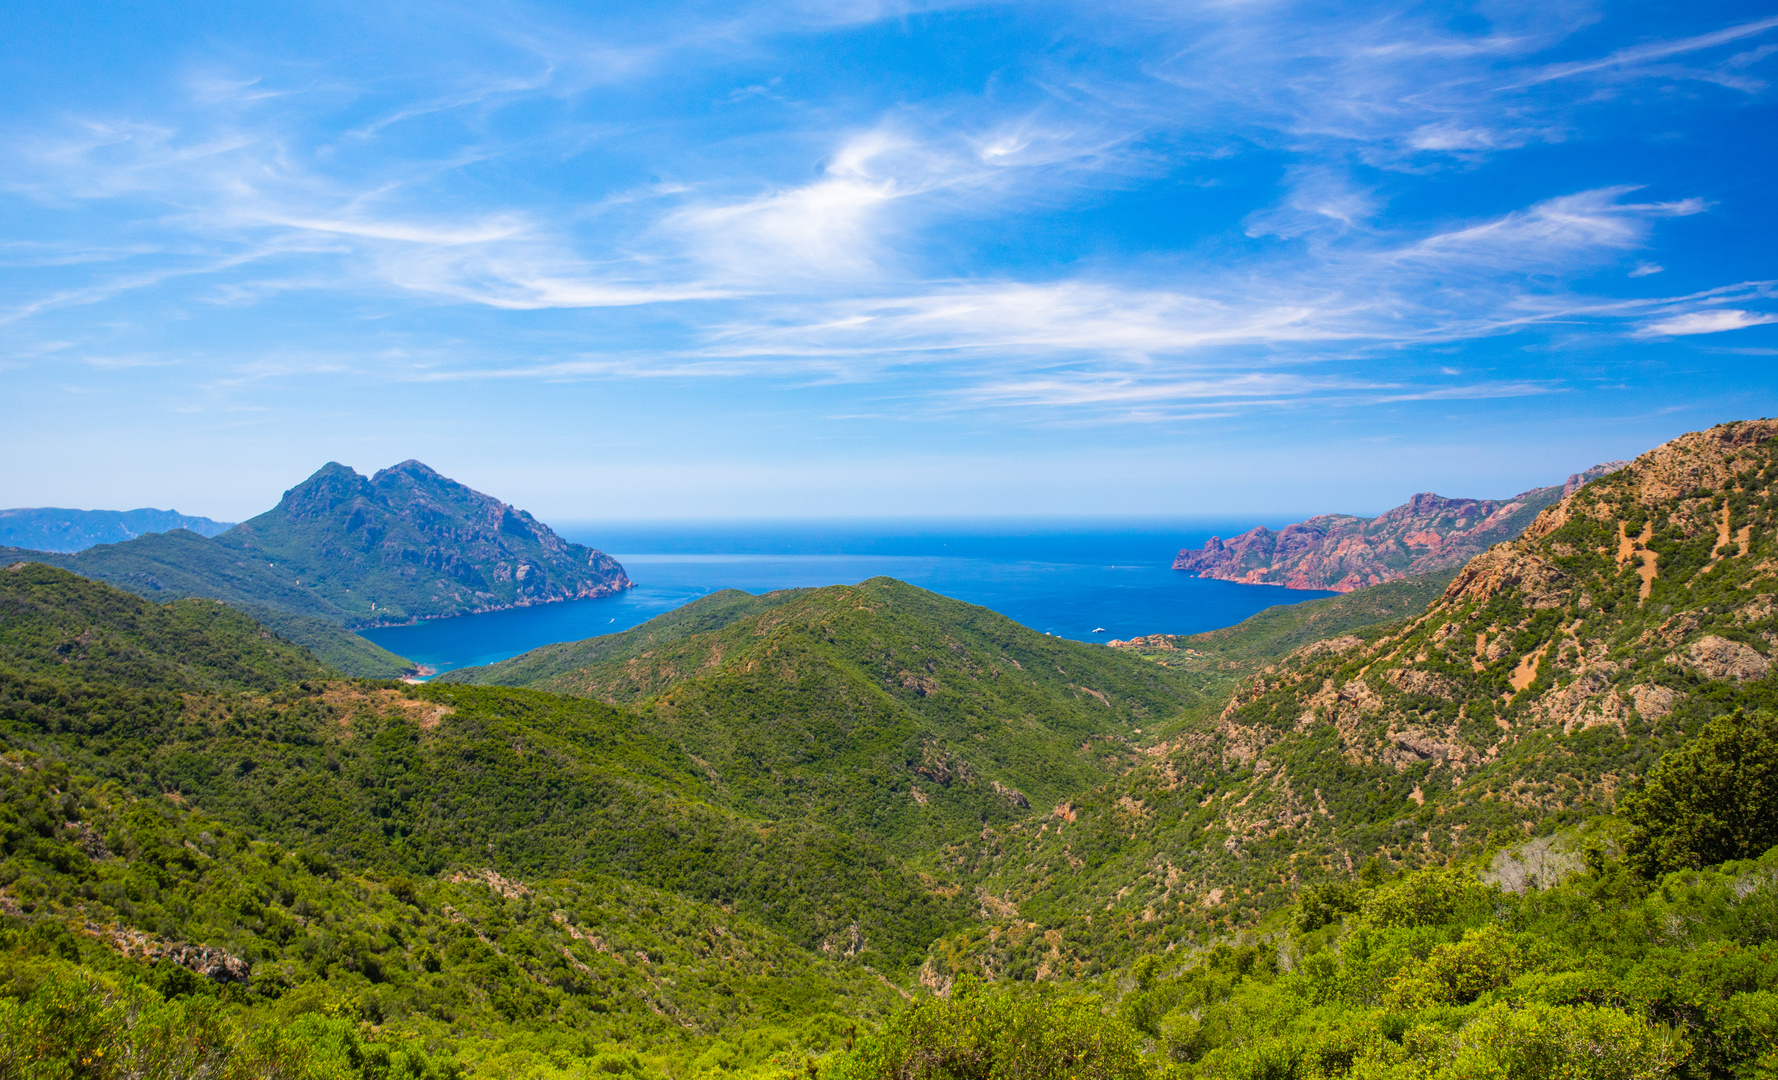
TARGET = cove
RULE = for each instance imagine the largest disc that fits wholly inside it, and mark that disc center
(1064, 591)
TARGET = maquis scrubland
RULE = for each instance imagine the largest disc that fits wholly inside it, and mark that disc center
(1512, 820)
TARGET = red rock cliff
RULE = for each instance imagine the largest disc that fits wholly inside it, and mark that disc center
(1342, 552)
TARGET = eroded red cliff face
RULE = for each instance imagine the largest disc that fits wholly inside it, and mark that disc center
(1342, 552)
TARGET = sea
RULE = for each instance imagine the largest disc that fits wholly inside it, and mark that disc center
(1086, 580)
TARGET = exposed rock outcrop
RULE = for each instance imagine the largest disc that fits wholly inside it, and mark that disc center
(1576, 624)
(205, 960)
(1342, 552)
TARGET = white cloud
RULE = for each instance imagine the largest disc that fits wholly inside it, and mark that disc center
(776, 272)
(826, 227)
(1588, 223)
(1319, 198)
(1640, 55)
(1705, 322)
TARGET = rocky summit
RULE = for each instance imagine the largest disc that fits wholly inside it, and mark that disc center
(1343, 552)
(343, 551)
(408, 542)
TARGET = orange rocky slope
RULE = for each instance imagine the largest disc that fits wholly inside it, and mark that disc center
(1551, 673)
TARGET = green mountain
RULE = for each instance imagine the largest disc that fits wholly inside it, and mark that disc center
(48, 528)
(180, 564)
(1514, 825)
(406, 543)
(56, 624)
(888, 710)
(529, 784)
(510, 974)
(343, 551)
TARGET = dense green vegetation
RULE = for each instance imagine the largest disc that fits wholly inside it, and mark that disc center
(893, 712)
(55, 623)
(338, 648)
(1711, 800)
(601, 667)
(524, 782)
(1525, 830)
(466, 959)
(970, 1034)
(184, 566)
(179, 564)
(1427, 974)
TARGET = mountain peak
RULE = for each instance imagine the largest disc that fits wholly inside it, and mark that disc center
(409, 542)
(411, 467)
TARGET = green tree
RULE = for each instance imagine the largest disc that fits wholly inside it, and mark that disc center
(1582, 1042)
(979, 1035)
(1712, 800)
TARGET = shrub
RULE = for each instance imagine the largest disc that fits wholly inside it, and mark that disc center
(980, 1035)
(1712, 800)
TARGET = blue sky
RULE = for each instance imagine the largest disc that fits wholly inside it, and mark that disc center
(869, 258)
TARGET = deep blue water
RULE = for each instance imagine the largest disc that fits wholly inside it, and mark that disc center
(1068, 579)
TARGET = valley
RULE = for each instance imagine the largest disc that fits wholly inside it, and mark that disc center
(1524, 801)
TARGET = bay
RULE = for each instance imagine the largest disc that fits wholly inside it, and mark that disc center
(1089, 581)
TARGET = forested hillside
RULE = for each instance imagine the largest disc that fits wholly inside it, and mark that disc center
(57, 624)
(183, 565)
(1514, 824)
(888, 710)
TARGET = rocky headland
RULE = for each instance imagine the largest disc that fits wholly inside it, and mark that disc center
(343, 550)
(1343, 552)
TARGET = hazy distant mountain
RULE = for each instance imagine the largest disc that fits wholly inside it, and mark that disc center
(52, 528)
(1343, 552)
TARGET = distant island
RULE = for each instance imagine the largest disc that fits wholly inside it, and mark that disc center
(1343, 552)
(52, 528)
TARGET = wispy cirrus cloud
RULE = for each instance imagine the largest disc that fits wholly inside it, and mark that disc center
(815, 246)
(1705, 322)
(1629, 62)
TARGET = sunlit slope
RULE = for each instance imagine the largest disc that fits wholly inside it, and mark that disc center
(56, 623)
(181, 565)
(886, 709)
(1545, 680)
(520, 781)
(196, 905)
(193, 698)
